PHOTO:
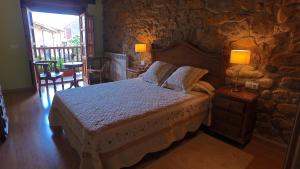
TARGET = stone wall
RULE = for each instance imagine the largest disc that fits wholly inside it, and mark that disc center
(269, 28)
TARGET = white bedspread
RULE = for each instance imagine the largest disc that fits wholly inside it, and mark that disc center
(109, 124)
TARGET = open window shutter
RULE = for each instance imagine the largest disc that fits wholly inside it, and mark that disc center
(87, 43)
(90, 46)
(30, 40)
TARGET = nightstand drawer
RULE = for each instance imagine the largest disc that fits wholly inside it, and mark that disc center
(230, 105)
(226, 129)
(227, 117)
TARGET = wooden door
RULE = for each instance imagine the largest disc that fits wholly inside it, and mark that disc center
(30, 41)
(87, 43)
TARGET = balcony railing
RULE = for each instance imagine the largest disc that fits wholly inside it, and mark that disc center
(60, 54)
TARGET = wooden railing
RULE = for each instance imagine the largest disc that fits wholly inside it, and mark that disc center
(61, 54)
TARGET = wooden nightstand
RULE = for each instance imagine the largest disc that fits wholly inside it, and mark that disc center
(133, 72)
(233, 114)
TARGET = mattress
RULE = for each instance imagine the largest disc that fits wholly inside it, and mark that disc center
(114, 125)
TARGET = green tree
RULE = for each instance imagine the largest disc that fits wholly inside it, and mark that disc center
(75, 41)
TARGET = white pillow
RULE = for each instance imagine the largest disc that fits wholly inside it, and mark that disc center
(203, 86)
(158, 72)
(184, 78)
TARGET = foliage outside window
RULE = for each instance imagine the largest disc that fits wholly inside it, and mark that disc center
(75, 41)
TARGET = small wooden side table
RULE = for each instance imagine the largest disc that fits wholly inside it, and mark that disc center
(234, 114)
(73, 65)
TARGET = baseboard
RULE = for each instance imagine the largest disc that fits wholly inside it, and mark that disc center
(273, 143)
(8, 91)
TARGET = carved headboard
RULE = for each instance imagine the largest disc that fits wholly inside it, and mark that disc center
(184, 54)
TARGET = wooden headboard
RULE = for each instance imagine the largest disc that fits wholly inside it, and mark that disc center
(184, 54)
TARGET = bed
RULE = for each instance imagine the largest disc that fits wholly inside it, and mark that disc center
(115, 124)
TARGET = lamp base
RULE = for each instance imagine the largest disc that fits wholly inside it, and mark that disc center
(236, 88)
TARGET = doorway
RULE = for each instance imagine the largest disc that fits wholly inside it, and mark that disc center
(58, 32)
(57, 38)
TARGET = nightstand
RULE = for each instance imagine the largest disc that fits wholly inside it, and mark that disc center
(134, 72)
(233, 114)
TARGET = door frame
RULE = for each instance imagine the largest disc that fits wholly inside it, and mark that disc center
(28, 37)
(87, 43)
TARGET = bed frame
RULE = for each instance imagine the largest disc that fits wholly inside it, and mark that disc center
(185, 54)
(181, 54)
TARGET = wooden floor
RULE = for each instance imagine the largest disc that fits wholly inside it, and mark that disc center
(32, 145)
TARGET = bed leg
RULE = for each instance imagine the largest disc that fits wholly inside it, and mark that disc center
(90, 161)
(86, 161)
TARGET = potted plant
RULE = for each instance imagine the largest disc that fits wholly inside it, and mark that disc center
(66, 72)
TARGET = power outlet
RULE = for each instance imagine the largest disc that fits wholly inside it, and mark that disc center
(252, 85)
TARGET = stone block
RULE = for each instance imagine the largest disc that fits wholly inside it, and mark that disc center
(266, 94)
(291, 83)
(286, 59)
(287, 108)
(267, 129)
(281, 15)
(236, 31)
(263, 117)
(282, 124)
(244, 43)
(280, 95)
(265, 83)
(278, 115)
(266, 105)
(271, 68)
(291, 71)
(286, 136)
(195, 4)
(274, 75)
(231, 73)
(251, 74)
(295, 95)
(296, 47)
(245, 71)
(217, 6)
(262, 24)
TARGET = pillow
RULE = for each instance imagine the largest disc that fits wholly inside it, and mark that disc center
(184, 78)
(158, 72)
(203, 86)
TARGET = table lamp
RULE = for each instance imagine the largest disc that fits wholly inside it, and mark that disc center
(141, 48)
(241, 57)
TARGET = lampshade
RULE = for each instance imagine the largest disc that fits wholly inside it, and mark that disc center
(140, 48)
(240, 56)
